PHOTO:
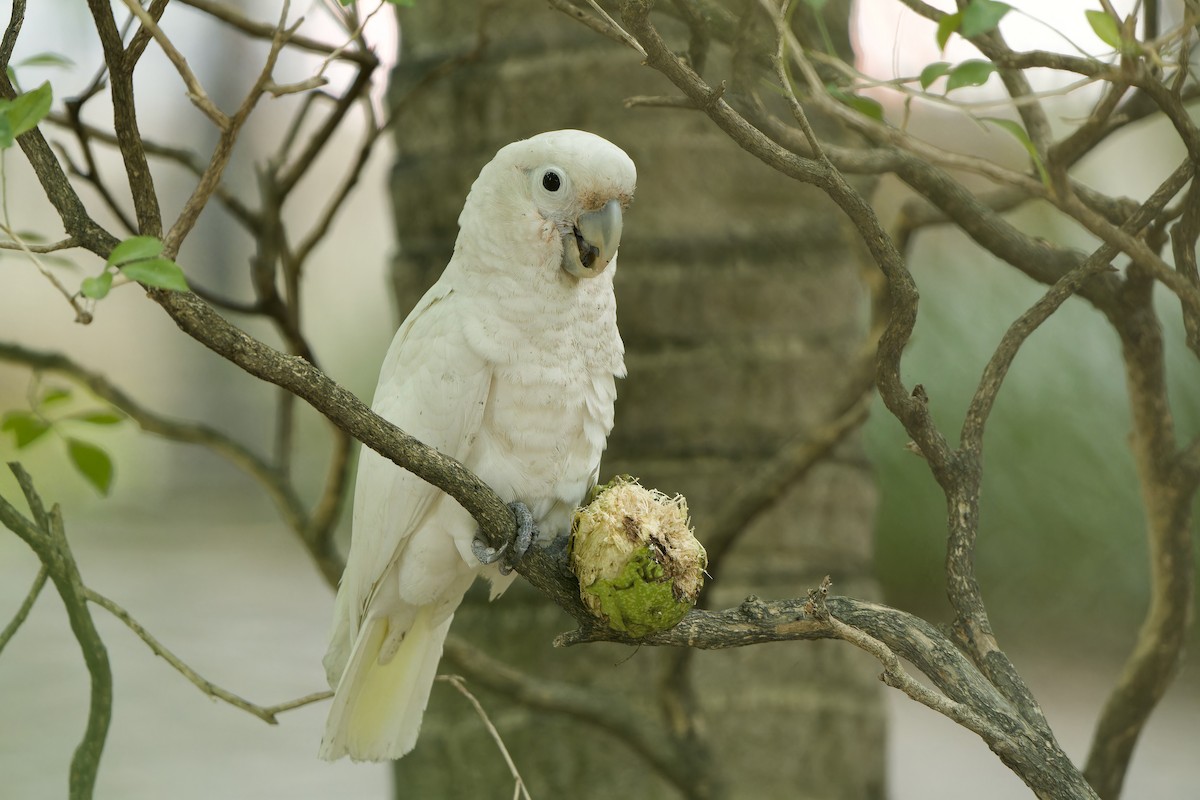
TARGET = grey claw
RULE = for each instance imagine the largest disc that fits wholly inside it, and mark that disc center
(485, 552)
(526, 532)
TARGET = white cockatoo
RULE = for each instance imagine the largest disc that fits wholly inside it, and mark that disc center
(508, 364)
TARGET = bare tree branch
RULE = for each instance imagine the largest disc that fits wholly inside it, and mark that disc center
(137, 168)
(15, 20)
(46, 537)
(1168, 496)
(1184, 236)
(896, 676)
(1010, 344)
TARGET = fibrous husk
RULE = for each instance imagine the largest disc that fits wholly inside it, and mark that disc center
(639, 565)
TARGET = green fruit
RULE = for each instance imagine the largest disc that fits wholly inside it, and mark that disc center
(639, 565)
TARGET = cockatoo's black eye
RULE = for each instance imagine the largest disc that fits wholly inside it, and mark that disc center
(551, 181)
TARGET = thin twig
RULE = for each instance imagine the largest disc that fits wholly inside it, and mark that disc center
(316, 527)
(660, 101)
(1013, 339)
(91, 174)
(621, 32)
(188, 159)
(606, 26)
(63, 244)
(26, 606)
(196, 92)
(458, 683)
(354, 37)
(82, 315)
(265, 713)
(897, 677)
(624, 719)
(223, 151)
(261, 30)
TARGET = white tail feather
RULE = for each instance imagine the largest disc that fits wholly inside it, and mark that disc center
(377, 708)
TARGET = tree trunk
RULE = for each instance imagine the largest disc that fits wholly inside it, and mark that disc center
(740, 305)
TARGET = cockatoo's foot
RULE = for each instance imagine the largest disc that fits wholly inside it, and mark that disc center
(526, 531)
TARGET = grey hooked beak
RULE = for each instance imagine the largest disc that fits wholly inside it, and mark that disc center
(593, 242)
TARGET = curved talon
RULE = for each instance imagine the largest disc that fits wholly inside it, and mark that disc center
(526, 532)
(485, 552)
(523, 538)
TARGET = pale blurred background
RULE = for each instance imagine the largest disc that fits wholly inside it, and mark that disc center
(198, 555)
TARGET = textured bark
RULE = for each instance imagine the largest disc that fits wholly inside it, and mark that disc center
(740, 305)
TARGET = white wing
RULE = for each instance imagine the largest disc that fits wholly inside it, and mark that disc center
(433, 386)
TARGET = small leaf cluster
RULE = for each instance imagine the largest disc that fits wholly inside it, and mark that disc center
(974, 72)
(138, 258)
(863, 105)
(91, 461)
(977, 18)
(27, 109)
(1110, 31)
(23, 113)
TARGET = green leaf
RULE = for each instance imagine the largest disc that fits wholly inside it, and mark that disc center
(97, 288)
(52, 396)
(46, 60)
(946, 26)
(982, 16)
(99, 418)
(6, 133)
(969, 73)
(161, 273)
(932, 72)
(134, 248)
(1105, 27)
(26, 427)
(863, 105)
(92, 462)
(403, 3)
(815, 5)
(1019, 133)
(25, 111)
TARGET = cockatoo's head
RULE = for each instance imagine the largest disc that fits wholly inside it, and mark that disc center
(572, 186)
